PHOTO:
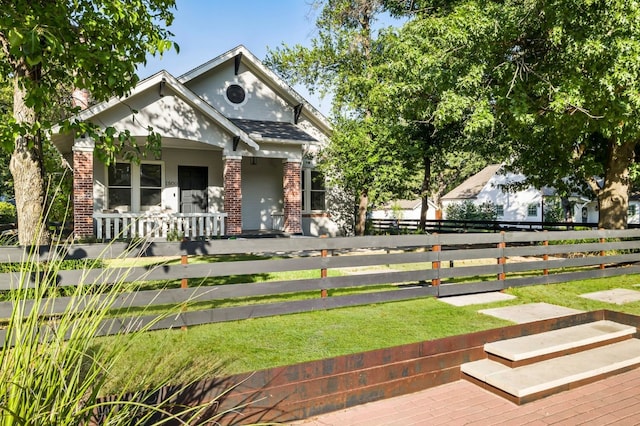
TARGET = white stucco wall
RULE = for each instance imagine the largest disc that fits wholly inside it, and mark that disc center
(317, 225)
(170, 116)
(591, 211)
(261, 102)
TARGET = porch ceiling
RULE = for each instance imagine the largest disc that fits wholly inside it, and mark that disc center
(64, 143)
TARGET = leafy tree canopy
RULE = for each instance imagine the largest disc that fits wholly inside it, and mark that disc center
(561, 76)
(49, 48)
(363, 156)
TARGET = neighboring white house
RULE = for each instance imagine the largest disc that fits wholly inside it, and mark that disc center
(488, 186)
(404, 209)
(527, 204)
(237, 149)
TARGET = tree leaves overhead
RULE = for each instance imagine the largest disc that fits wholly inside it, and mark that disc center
(53, 47)
(561, 76)
(48, 48)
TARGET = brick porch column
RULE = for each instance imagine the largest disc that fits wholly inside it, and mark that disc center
(233, 194)
(83, 191)
(292, 197)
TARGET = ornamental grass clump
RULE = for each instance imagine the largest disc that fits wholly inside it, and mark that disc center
(53, 368)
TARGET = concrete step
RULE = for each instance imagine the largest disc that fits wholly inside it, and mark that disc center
(534, 381)
(538, 347)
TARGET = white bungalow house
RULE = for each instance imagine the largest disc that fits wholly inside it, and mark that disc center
(487, 186)
(237, 149)
(526, 205)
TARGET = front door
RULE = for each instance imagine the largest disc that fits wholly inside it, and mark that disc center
(192, 182)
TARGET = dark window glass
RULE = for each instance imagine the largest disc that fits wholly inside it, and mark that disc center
(303, 190)
(119, 197)
(151, 175)
(150, 197)
(317, 191)
(317, 181)
(119, 177)
(120, 174)
(317, 200)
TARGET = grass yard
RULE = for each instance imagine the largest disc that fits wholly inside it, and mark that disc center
(267, 342)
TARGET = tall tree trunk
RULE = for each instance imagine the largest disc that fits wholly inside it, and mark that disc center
(27, 168)
(424, 192)
(613, 198)
(363, 205)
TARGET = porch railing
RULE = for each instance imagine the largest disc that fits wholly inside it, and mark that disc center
(173, 226)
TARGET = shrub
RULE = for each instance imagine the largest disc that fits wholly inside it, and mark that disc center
(553, 211)
(468, 210)
(7, 212)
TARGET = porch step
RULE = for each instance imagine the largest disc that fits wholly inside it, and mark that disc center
(538, 347)
(555, 361)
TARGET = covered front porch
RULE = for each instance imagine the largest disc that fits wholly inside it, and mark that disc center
(195, 194)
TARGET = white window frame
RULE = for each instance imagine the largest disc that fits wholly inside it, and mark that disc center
(136, 187)
(108, 187)
(305, 182)
(140, 187)
(500, 210)
(530, 208)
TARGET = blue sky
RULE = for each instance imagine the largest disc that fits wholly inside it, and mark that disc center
(205, 29)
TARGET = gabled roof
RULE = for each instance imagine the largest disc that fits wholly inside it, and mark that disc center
(471, 187)
(249, 131)
(163, 77)
(256, 66)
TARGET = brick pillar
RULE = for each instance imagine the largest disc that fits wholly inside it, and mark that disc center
(292, 198)
(233, 194)
(82, 193)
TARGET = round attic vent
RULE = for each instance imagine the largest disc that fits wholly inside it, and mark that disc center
(235, 94)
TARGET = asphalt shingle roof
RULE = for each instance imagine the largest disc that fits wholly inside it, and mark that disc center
(273, 129)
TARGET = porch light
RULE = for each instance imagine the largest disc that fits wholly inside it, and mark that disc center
(254, 161)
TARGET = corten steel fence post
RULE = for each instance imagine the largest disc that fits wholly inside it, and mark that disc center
(323, 271)
(502, 260)
(545, 256)
(435, 265)
(602, 253)
(184, 283)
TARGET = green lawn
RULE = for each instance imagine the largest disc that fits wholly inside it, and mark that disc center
(267, 342)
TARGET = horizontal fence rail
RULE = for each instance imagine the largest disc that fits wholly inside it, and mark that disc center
(406, 266)
(399, 226)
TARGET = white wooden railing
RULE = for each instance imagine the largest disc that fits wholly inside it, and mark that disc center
(174, 226)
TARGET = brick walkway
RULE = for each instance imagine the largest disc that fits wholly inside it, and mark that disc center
(612, 401)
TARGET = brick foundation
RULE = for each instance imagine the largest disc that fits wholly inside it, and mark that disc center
(233, 195)
(83, 194)
(292, 198)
